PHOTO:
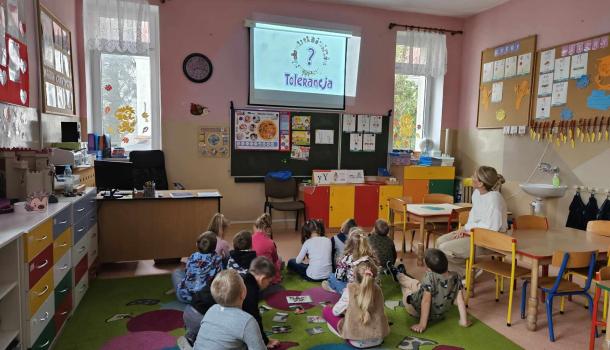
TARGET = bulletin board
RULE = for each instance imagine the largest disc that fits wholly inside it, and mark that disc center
(582, 93)
(505, 84)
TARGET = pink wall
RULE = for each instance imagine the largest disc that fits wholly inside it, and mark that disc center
(215, 28)
(554, 22)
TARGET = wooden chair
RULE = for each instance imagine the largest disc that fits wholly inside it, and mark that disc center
(399, 205)
(531, 222)
(284, 190)
(459, 216)
(602, 275)
(558, 286)
(496, 241)
(468, 190)
(438, 198)
(599, 227)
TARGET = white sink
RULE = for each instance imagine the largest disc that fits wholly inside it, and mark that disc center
(543, 191)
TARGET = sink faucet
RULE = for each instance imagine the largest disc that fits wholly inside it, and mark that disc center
(548, 168)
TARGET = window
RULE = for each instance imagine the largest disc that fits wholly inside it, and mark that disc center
(409, 107)
(122, 63)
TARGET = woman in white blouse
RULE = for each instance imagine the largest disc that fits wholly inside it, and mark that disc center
(488, 211)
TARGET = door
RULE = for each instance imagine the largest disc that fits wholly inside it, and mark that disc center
(441, 186)
(386, 192)
(316, 200)
(366, 205)
(416, 189)
(341, 204)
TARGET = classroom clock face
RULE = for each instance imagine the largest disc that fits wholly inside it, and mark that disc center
(197, 67)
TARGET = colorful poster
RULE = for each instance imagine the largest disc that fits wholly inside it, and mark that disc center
(560, 94)
(543, 107)
(562, 69)
(257, 130)
(301, 138)
(364, 123)
(498, 70)
(496, 92)
(368, 142)
(488, 72)
(524, 64)
(299, 152)
(301, 122)
(579, 65)
(284, 132)
(545, 84)
(349, 123)
(214, 142)
(510, 67)
(376, 125)
(547, 61)
(355, 142)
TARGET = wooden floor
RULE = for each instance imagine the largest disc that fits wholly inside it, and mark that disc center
(571, 328)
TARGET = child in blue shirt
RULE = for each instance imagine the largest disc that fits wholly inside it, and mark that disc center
(201, 268)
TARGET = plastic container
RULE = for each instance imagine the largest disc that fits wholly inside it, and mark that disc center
(68, 180)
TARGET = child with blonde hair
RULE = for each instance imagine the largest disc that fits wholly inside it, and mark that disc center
(317, 248)
(263, 244)
(356, 247)
(219, 225)
(364, 323)
(338, 241)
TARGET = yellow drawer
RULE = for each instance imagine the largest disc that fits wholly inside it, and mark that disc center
(429, 173)
(62, 244)
(38, 239)
(40, 292)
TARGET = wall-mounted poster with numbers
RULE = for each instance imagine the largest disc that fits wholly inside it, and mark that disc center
(56, 80)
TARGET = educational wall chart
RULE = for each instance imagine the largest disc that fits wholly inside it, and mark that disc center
(506, 84)
(14, 67)
(213, 141)
(257, 130)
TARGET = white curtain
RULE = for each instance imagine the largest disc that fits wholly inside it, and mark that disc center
(421, 53)
(118, 26)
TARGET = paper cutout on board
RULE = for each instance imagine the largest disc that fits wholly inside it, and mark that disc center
(485, 96)
(488, 72)
(579, 65)
(355, 142)
(524, 64)
(510, 67)
(562, 69)
(602, 77)
(376, 124)
(571, 49)
(599, 100)
(325, 137)
(522, 89)
(545, 84)
(580, 47)
(499, 70)
(349, 123)
(564, 50)
(496, 92)
(500, 114)
(560, 94)
(547, 61)
(368, 142)
(582, 82)
(543, 107)
(364, 122)
(566, 113)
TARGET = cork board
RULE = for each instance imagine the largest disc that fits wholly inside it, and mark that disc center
(580, 84)
(505, 84)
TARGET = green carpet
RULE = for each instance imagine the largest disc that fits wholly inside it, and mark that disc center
(88, 329)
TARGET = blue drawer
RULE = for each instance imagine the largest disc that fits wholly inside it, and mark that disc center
(83, 226)
(61, 221)
(83, 206)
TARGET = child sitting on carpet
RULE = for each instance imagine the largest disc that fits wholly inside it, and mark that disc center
(356, 247)
(225, 325)
(263, 244)
(338, 241)
(317, 248)
(242, 254)
(257, 278)
(382, 245)
(201, 268)
(219, 225)
(435, 294)
(364, 323)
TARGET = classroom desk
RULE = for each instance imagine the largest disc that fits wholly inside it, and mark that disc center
(429, 213)
(536, 247)
(153, 228)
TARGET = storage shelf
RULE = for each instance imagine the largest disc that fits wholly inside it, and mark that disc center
(6, 337)
(5, 289)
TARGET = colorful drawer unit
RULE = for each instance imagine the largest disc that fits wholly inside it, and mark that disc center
(336, 203)
(421, 180)
(85, 244)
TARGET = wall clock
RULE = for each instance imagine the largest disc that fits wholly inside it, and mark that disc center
(197, 67)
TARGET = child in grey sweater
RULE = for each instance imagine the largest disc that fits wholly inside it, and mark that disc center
(226, 326)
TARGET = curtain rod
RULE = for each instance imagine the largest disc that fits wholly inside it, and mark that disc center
(425, 29)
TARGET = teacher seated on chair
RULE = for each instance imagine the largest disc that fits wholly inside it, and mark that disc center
(488, 211)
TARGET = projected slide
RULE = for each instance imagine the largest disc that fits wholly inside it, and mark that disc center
(297, 68)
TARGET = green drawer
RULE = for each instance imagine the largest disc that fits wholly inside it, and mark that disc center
(63, 289)
(46, 337)
(441, 186)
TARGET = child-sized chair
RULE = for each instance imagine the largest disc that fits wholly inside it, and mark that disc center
(530, 222)
(603, 276)
(559, 286)
(399, 206)
(499, 242)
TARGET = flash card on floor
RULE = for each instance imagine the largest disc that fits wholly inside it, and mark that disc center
(280, 317)
(298, 299)
(315, 319)
(314, 330)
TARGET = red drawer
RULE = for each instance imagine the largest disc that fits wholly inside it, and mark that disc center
(317, 201)
(63, 311)
(366, 206)
(42, 263)
(80, 270)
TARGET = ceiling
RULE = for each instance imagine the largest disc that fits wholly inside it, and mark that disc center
(453, 8)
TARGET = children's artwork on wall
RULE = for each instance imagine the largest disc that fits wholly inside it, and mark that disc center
(56, 76)
(364, 123)
(521, 90)
(349, 123)
(257, 130)
(15, 75)
(496, 92)
(368, 142)
(500, 114)
(376, 124)
(355, 142)
(485, 96)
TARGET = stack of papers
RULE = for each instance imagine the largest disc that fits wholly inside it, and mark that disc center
(208, 194)
(181, 195)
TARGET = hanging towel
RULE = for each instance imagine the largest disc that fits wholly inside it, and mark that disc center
(576, 216)
(591, 210)
(604, 211)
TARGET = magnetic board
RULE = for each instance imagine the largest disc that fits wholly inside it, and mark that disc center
(369, 161)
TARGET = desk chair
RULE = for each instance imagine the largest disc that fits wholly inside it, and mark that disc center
(149, 166)
(558, 286)
(530, 222)
(480, 237)
(279, 189)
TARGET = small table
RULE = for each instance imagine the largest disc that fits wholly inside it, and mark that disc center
(425, 213)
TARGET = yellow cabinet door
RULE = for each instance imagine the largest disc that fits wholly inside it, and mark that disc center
(341, 204)
(386, 192)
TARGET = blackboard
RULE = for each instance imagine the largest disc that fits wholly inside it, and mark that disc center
(369, 161)
(256, 164)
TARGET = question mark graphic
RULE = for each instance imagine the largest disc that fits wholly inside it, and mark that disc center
(311, 55)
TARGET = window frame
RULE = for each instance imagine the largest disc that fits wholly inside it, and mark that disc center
(426, 110)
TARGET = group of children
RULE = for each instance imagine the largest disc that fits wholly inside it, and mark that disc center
(222, 287)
